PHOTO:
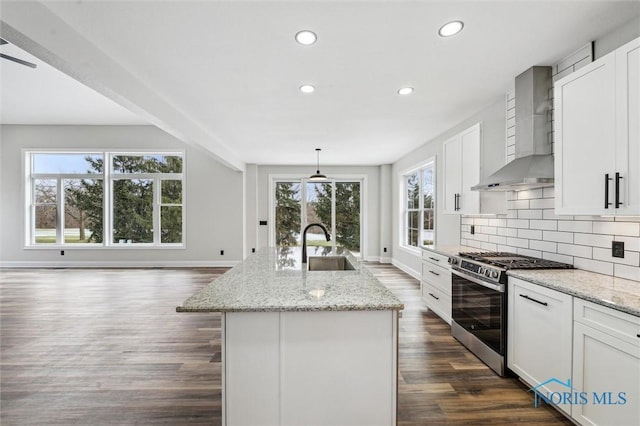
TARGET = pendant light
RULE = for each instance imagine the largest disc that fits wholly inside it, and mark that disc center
(318, 176)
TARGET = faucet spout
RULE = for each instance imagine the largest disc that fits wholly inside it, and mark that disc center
(304, 238)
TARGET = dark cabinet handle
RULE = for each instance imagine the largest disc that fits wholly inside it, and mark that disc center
(618, 177)
(638, 335)
(534, 300)
(434, 259)
(435, 297)
(434, 273)
(606, 191)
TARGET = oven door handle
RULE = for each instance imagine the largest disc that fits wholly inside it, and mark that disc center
(496, 287)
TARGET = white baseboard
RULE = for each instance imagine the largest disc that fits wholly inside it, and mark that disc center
(415, 274)
(120, 264)
(385, 259)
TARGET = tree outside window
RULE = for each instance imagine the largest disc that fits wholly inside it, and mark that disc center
(419, 200)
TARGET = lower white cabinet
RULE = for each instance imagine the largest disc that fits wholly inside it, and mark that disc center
(539, 336)
(606, 365)
(435, 284)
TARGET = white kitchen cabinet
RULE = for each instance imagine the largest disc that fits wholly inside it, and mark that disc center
(435, 285)
(597, 136)
(462, 171)
(606, 365)
(539, 336)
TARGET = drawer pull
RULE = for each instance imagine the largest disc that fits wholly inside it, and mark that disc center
(638, 335)
(435, 297)
(534, 300)
(434, 273)
(434, 259)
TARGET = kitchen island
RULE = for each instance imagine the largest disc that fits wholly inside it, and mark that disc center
(304, 347)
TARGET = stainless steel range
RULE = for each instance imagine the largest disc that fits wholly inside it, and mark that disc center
(479, 301)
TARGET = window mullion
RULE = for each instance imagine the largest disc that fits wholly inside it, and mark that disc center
(157, 199)
(60, 211)
(333, 215)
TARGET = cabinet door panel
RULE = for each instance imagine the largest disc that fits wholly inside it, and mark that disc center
(628, 116)
(470, 145)
(452, 178)
(603, 364)
(585, 134)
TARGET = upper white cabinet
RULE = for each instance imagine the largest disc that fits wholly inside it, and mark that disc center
(462, 171)
(597, 136)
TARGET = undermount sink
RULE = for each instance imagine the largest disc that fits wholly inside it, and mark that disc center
(329, 263)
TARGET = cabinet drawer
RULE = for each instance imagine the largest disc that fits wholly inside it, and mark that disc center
(437, 300)
(435, 258)
(610, 321)
(437, 276)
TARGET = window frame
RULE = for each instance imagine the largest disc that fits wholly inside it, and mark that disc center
(362, 179)
(404, 203)
(108, 177)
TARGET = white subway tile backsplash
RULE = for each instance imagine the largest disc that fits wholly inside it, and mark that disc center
(491, 230)
(489, 246)
(543, 245)
(631, 258)
(627, 272)
(558, 257)
(549, 225)
(593, 240)
(506, 248)
(508, 232)
(527, 252)
(466, 220)
(529, 194)
(481, 221)
(517, 204)
(518, 242)
(549, 192)
(530, 214)
(497, 239)
(595, 218)
(542, 203)
(575, 226)
(497, 222)
(630, 243)
(517, 223)
(574, 250)
(549, 214)
(560, 237)
(593, 265)
(627, 219)
(629, 229)
(531, 234)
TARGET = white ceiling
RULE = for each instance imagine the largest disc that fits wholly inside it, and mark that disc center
(225, 74)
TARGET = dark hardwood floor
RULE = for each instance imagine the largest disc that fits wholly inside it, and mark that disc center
(105, 347)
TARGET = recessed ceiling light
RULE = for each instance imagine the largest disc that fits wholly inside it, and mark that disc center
(451, 28)
(307, 88)
(405, 91)
(306, 37)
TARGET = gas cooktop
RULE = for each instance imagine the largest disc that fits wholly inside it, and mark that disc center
(508, 260)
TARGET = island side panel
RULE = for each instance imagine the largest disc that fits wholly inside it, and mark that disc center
(251, 368)
(338, 368)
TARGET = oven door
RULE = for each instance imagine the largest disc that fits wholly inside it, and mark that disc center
(479, 307)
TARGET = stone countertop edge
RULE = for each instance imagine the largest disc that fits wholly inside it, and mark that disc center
(449, 250)
(274, 280)
(616, 293)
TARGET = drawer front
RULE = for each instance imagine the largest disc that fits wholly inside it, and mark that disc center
(438, 301)
(435, 258)
(610, 321)
(437, 276)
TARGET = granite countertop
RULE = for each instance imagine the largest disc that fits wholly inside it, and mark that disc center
(617, 293)
(272, 279)
(448, 250)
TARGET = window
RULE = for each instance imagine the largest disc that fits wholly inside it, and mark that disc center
(419, 206)
(336, 204)
(74, 199)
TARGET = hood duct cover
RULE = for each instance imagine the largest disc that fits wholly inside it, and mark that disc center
(533, 165)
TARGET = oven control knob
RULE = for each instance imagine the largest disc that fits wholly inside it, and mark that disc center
(453, 260)
(487, 273)
(494, 274)
(481, 270)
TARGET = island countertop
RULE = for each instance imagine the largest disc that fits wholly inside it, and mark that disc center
(273, 279)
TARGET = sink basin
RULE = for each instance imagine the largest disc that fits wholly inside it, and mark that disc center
(329, 263)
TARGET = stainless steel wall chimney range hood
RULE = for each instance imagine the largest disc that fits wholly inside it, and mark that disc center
(533, 165)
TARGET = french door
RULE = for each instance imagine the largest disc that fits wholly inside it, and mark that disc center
(336, 204)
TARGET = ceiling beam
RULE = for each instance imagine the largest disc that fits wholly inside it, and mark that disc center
(35, 29)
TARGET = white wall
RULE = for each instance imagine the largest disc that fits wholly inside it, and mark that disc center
(447, 225)
(214, 200)
(258, 207)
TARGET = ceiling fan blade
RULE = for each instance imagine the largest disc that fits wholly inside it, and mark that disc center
(19, 61)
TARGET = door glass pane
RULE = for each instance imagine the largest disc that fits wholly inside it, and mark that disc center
(288, 213)
(318, 205)
(348, 216)
(171, 224)
(83, 208)
(133, 211)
